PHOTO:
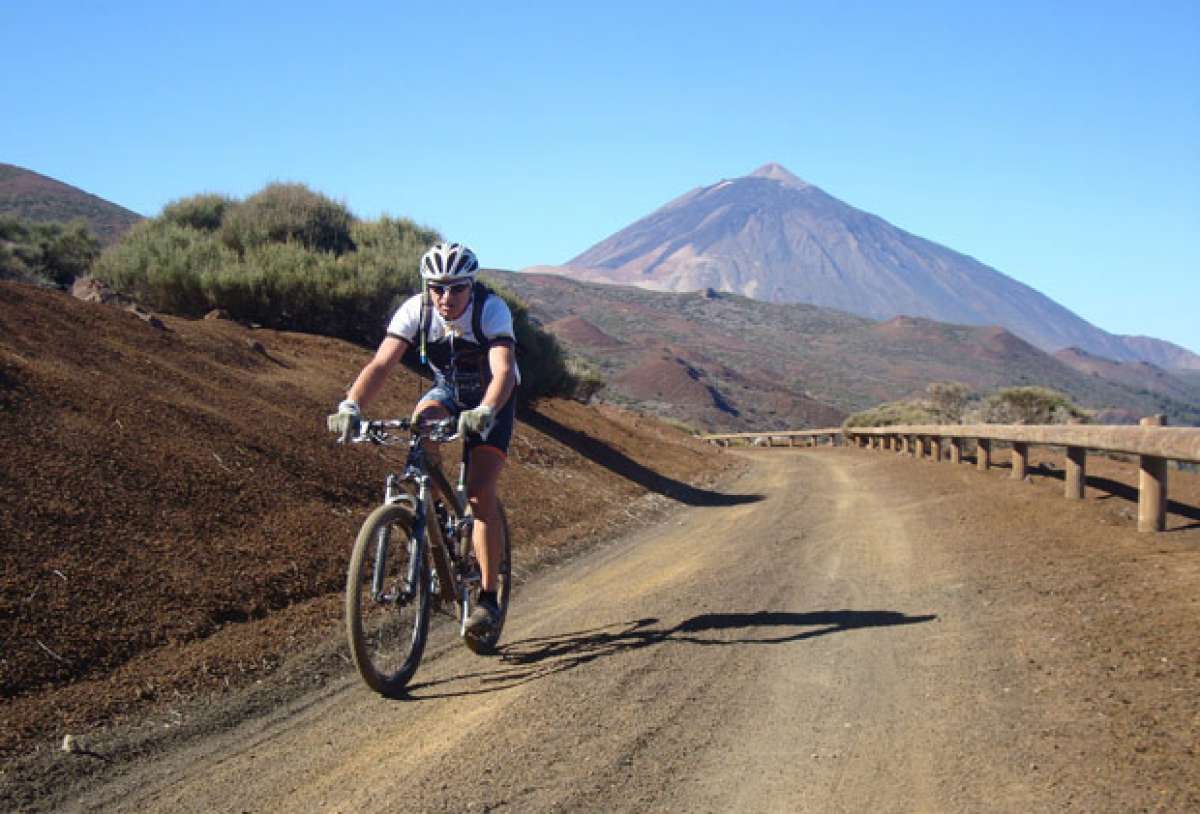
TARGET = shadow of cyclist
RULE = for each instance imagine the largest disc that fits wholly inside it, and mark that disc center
(621, 464)
(531, 659)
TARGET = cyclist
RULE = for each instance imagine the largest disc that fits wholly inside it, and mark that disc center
(465, 333)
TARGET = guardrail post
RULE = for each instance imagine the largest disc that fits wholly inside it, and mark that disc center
(1076, 475)
(1020, 457)
(983, 454)
(1152, 485)
(955, 450)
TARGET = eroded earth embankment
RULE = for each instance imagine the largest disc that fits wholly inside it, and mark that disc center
(176, 519)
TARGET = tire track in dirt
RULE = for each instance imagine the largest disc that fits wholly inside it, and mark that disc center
(822, 649)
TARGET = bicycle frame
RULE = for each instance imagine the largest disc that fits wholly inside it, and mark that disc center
(431, 519)
(431, 486)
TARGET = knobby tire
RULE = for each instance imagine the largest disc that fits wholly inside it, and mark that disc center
(388, 637)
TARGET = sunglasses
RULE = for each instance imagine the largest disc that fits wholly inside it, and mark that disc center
(455, 288)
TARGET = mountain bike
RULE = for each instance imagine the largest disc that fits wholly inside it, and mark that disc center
(414, 555)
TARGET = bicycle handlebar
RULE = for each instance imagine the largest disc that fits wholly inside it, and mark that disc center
(442, 430)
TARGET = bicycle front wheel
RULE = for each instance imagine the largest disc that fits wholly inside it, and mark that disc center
(387, 599)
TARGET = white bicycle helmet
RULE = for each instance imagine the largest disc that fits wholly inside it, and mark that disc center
(449, 261)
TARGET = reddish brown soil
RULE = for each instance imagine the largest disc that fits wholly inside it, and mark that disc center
(176, 518)
(578, 330)
(663, 376)
(176, 522)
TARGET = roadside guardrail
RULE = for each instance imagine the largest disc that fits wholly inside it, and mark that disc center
(1153, 443)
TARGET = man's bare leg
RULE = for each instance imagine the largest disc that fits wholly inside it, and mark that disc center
(483, 475)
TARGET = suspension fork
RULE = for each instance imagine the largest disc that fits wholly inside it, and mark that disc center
(391, 494)
(394, 494)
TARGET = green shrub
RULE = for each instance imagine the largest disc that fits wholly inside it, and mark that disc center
(291, 259)
(205, 212)
(53, 253)
(948, 405)
(947, 400)
(587, 381)
(281, 213)
(277, 284)
(891, 413)
(165, 266)
(1031, 405)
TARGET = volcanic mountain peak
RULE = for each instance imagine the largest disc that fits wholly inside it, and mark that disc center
(777, 172)
(774, 237)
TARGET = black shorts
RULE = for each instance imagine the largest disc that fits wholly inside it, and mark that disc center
(498, 435)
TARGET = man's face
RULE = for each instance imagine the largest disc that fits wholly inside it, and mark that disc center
(450, 297)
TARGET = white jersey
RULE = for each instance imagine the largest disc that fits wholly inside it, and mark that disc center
(458, 335)
(497, 322)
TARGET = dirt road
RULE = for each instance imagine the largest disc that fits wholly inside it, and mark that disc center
(835, 638)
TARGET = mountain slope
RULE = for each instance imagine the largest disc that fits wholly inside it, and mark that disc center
(775, 238)
(36, 197)
(721, 360)
(1137, 375)
(1159, 352)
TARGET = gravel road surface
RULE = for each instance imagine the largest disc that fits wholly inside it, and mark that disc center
(831, 638)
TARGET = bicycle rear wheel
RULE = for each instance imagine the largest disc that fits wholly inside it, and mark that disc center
(387, 599)
(486, 645)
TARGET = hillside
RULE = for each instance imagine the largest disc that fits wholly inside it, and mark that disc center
(757, 365)
(32, 196)
(773, 237)
(1166, 355)
(1136, 375)
(177, 519)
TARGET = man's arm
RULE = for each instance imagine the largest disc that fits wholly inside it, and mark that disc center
(501, 361)
(370, 381)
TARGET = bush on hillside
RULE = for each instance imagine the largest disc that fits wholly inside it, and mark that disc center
(205, 212)
(948, 400)
(892, 413)
(48, 253)
(1031, 405)
(281, 213)
(950, 403)
(291, 259)
(587, 380)
(166, 267)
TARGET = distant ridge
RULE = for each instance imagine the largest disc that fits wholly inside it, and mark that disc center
(775, 237)
(36, 197)
(1162, 353)
(721, 360)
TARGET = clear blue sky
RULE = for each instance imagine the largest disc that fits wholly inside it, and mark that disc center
(1056, 142)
